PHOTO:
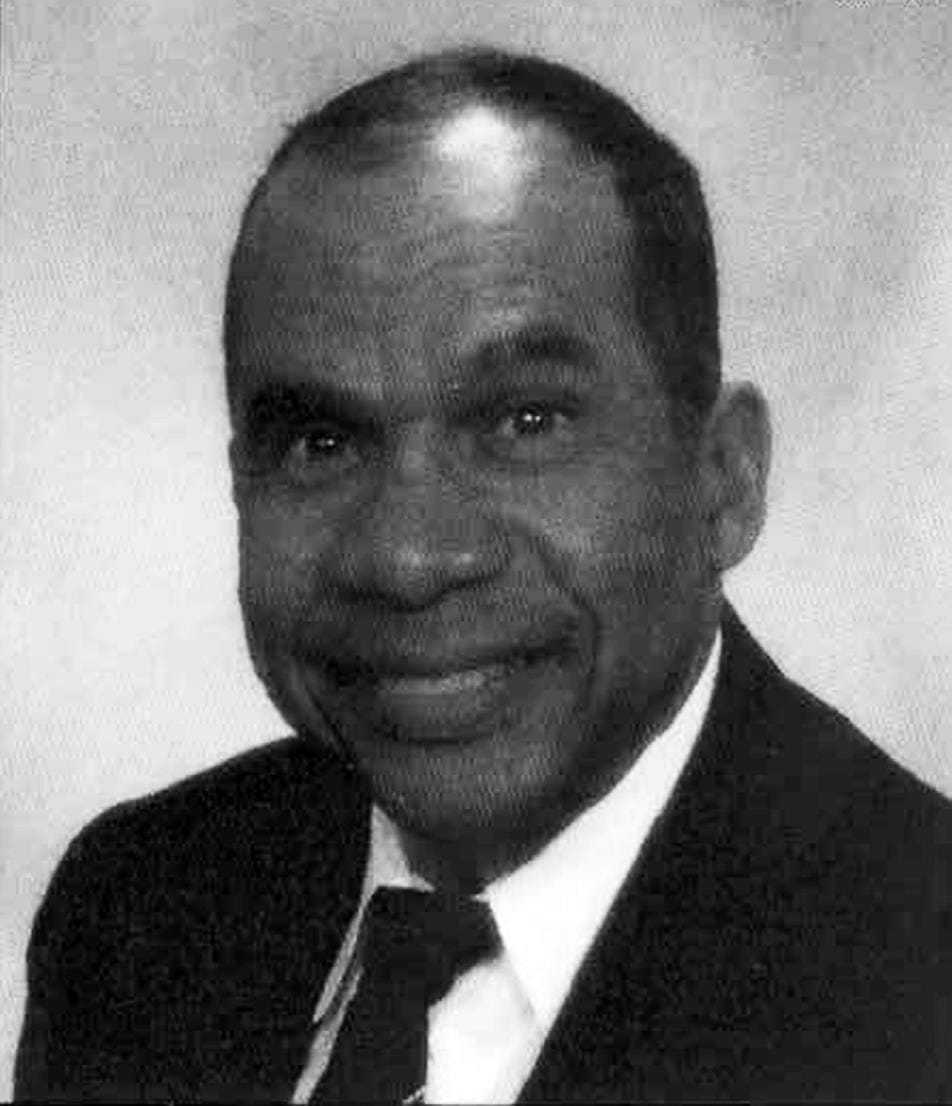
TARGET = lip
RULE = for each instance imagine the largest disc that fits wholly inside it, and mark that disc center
(438, 701)
(437, 672)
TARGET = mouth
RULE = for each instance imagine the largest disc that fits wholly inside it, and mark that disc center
(440, 702)
(463, 681)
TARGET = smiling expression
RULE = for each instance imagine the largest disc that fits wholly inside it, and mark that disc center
(474, 551)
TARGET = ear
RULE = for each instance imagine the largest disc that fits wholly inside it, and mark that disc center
(736, 460)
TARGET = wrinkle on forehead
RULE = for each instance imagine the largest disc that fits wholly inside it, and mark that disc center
(488, 160)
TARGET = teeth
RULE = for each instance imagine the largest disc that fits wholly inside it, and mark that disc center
(454, 683)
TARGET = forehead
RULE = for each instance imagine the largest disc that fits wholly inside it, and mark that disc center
(477, 176)
(476, 219)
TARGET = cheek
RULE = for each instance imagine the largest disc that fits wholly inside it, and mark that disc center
(630, 557)
(278, 563)
(617, 537)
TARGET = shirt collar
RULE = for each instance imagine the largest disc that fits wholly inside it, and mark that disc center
(549, 910)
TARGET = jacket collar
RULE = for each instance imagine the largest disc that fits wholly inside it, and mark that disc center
(654, 996)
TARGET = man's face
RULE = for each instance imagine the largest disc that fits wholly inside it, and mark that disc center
(473, 551)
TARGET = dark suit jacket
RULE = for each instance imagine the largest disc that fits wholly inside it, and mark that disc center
(785, 934)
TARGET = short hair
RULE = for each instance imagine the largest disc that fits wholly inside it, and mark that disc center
(675, 272)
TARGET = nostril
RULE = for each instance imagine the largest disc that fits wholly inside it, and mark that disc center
(410, 550)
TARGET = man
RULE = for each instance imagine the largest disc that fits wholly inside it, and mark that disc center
(488, 481)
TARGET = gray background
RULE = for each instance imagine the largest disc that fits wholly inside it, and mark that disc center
(132, 130)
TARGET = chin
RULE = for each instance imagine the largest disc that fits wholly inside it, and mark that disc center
(496, 789)
(497, 760)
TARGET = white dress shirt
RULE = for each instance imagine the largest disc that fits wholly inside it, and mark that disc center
(486, 1034)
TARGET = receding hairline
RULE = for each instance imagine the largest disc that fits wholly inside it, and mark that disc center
(390, 115)
(299, 192)
(384, 118)
(413, 143)
(432, 87)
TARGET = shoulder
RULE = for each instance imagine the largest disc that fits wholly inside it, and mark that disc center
(202, 913)
(823, 825)
(266, 796)
(281, 813)
(796, 744)
(810, 877)
(856, 843)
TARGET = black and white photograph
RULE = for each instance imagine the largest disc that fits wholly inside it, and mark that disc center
(475, 534)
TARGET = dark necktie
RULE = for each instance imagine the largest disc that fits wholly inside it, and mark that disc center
(415, 943)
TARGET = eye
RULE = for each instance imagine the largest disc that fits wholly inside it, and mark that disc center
(533, 431)
(318, 452)
(531, 421)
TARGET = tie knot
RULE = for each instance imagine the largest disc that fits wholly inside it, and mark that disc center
(427, 938)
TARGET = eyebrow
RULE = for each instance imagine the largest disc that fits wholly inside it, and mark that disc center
(493, 363)
(532, 344)
(279, 404)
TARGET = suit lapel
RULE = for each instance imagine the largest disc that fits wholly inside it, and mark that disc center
(654, 1010)
(281, 939)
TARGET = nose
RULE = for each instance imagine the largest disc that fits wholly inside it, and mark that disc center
(423, 532)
